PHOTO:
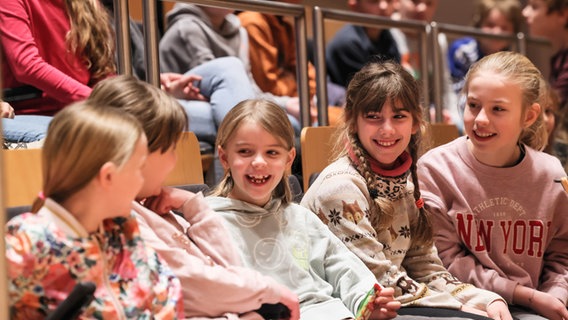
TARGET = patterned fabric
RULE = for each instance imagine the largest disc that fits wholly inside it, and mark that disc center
(492, 230)
(47, 257)
(341, 199)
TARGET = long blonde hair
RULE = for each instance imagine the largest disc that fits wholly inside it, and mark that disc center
(270, 117)
(91, 37)
(81, 138)
(162, 117)
(370, 88)
(520, 70)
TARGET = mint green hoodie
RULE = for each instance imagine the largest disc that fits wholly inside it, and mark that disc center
(290, 244)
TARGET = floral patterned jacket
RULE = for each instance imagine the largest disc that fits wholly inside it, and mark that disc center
(49, 252)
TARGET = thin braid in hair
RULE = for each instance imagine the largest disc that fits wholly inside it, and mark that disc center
(421, 226)
(382, 210)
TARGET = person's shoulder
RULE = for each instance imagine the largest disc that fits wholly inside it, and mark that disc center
(545, 162)
(249, 18)
(339, 170)
(28, 221)
(344, 36)
(30, 231)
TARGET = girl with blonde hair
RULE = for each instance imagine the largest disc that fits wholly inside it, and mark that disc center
(81, 229)
(277, 237)
(493, 229)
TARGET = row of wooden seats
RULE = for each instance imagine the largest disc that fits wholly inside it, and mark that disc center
(317, 146)
(23, 173)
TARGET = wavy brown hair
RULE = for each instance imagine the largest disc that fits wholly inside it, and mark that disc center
(91, 37)
(370, 88)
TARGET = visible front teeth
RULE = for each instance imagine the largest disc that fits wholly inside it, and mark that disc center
(386, 143)
(483, 135)
(258, 179)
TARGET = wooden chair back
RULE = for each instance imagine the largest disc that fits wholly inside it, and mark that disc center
(317, 149)
(442, 133)
(188, 169)
(22, 174)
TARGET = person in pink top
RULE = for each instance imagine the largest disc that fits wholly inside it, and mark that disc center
(56, 49)
(500, 215)
(194, 243)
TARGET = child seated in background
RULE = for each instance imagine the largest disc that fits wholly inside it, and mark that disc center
(81, 228)
(279, 238)
(491, 16)
(213, 281)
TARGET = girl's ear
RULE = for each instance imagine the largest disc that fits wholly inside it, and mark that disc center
(223, 157)
(531, 115)
(106, 174)
(291, 156)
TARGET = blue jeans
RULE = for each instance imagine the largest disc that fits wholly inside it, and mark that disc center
(225, 83)
(25, 128)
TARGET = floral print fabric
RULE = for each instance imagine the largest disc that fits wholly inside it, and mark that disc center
(45, 262)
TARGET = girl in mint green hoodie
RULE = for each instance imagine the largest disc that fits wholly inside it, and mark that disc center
(282, 239)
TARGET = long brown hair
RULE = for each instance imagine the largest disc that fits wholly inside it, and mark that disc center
(91, 37)
(370, 88)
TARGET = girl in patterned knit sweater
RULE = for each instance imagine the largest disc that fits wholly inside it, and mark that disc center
(368, 197)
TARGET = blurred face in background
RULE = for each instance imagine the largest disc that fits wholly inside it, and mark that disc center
(382, 8)
(542, 23)
(496, 23)
(422, 10)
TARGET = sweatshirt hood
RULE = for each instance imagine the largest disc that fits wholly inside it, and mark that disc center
(226, 204)
(191, 11)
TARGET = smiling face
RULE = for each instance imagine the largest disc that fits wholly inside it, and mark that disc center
(257, 161)
(493, 118)
(385, 134)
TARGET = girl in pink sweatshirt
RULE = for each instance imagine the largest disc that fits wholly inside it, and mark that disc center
(500, 215)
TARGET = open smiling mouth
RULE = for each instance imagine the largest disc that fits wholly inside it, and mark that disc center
(385, 143)
(260, 179)
(484, 134)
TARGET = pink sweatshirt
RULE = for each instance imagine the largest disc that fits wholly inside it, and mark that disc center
(498, 227)
(32, 34)
(201, 254)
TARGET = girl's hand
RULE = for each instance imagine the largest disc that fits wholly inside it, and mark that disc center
(499, 310)
(548, 306)
(290, 300)
(473, 310)
(385, 306)
(169, 199)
